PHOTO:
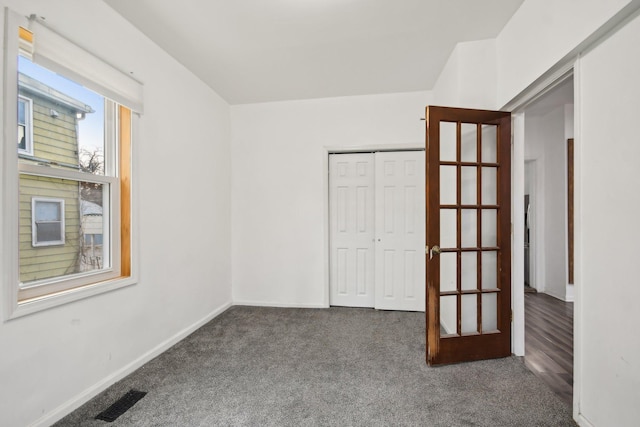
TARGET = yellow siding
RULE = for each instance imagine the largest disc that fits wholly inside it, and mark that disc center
(54, 139)
(49, 261)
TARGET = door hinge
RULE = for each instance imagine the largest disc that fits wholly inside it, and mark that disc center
(511, 316)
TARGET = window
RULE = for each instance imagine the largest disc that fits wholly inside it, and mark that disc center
(25, 129)
(67, 201)
(47, 216)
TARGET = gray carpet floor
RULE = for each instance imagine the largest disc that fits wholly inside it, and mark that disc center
(331, 367)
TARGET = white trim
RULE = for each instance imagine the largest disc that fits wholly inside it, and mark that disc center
(10, 196)
(326, 229)
(326, 151)
(578, 350)
(372, 148)
(583, 422)
(12, 310)
(278, 304)
(28, 123)
(88, 394)
(34, 222)
(30, 307)
(517, 236)
(73, 175)
(94, 282)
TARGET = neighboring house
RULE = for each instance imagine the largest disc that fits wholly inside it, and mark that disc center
(92, 230)
(50, 223)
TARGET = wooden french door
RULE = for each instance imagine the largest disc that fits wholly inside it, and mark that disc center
(468, 225)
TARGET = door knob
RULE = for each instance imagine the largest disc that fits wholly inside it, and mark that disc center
(434, 250)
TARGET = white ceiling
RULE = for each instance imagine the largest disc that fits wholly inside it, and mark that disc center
(271, 50)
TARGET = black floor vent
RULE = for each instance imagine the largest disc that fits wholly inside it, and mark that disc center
(121, 406)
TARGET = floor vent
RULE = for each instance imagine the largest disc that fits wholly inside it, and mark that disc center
(121, 406)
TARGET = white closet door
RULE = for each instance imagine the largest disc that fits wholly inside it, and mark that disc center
(400, 230)
(351, 225)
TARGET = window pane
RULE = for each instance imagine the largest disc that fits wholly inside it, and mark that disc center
(489, 312)
(448, 228)
(469, 185)
(22, 138)
(67, 119)
(448, 271)
(469, 314)
(48, 211)
(49, 232)
(448, 182)
(92, 224)
(489, 143)
(63, 245)
(448, 315)
(21, 112)
(448, 140)
(468, 142)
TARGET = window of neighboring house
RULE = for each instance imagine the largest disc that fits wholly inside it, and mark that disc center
(68, 202)
(47, 226)
(25, 128)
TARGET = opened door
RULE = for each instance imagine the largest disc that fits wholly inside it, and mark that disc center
(468, 235)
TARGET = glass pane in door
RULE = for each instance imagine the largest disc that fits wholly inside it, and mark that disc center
(489, 270)
(468, 142)
(489, 186)
(448, 315)
(469, 312)
(489, 312)
(469, 267)
(489, 143)
(448, 141)
(448, 228)
(489, 228)
(448, 271)
(469, 228)
(448, 183)
(469, 185)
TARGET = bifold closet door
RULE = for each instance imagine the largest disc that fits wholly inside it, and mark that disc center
(400, 230)
(376, 221)
(351, 229)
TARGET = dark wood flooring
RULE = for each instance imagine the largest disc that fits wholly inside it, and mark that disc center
(549, 342)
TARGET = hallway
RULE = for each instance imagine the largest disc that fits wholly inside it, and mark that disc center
(549, 342)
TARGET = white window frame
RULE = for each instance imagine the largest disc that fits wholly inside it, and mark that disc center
(28, 118)
(34, 222)
(60, 55)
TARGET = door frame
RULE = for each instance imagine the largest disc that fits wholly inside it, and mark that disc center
(332, 149)
(517, 107)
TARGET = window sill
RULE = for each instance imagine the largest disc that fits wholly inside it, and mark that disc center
(43, 303)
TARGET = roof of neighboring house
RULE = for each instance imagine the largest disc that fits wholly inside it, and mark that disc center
(90, 208)
(29, 84)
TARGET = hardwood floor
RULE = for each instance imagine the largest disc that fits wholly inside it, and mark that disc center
(549, 342)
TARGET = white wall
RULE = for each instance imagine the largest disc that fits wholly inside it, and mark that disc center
(545, 144)
(469, 78)
(609, 230)
(53, 360)
(541, 33)
(279, 179)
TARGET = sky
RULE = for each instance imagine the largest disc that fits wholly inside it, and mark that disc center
(91, 129)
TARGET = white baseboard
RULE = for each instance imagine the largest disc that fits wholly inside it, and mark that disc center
(583, 422)
(278, 304)
(82, 398)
